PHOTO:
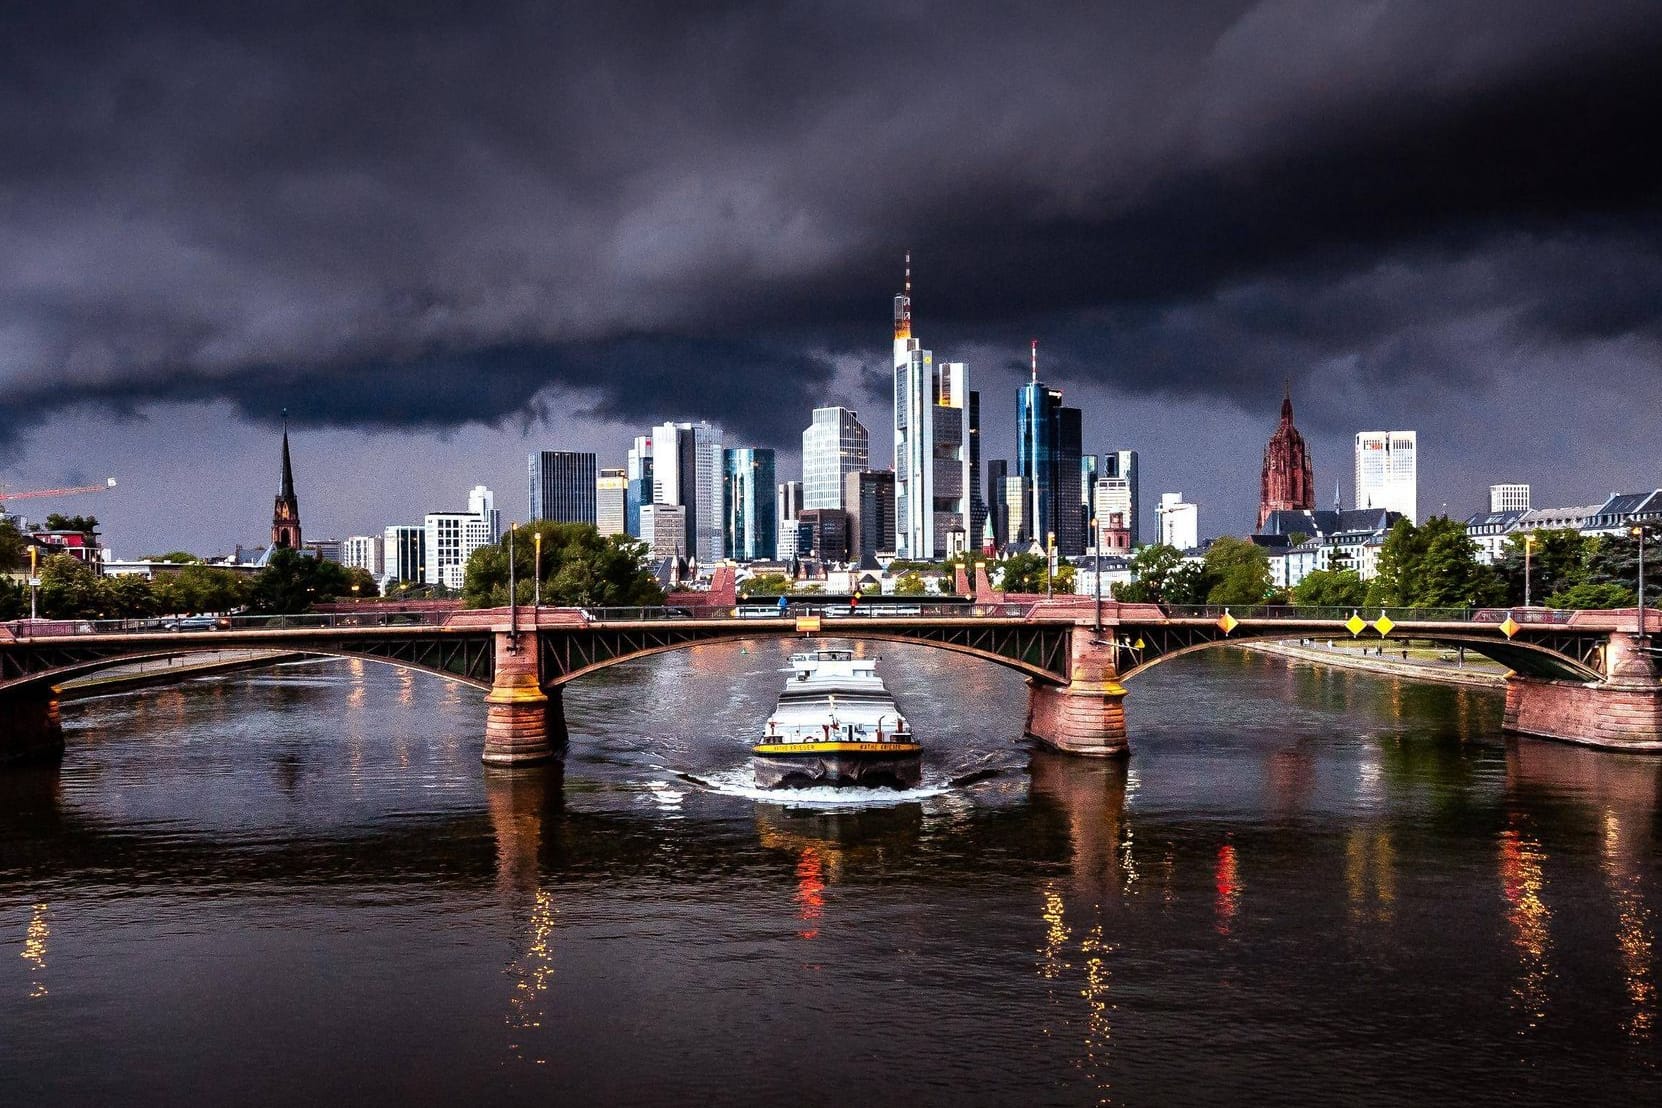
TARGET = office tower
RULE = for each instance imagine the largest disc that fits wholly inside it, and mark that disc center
(1087, 494)
(362, 552)
(611, 502)
(1386, 473)
(562, 486)
(325, 550)
(664, 529)
(998, 508)
(1119, 475)
(788, 504)
(687, 470)
(1509, 498)
(977, 497)
(1179, 521)
(1048, 461)
(1288, 481)
(1015, 508)
(452, 537)
(871, 526)
(751, 531)
(827, 531)
(835, 444)
(931, 444)
(638, 471)
(403, 554)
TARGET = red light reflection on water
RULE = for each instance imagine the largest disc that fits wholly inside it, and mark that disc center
(1229, 887)
(810, 892)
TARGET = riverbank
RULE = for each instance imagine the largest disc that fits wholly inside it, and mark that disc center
(169, 671)
(1439, 666)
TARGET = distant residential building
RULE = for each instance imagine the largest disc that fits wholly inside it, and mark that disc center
(687, 469)
(1624, 510)
(563, 486)
(871, 513)
(638, 471)
(1106, 572)
(1491, 530)
(931, 445)
(611, 502)
(664, 529)
(1287, 481)
(1300, 542)
(1558, 519)
(836, 443)
(403, 554)
(1387, 472)
(362, 552)
(751, 531)
(1179, 521)
(1509, 498)
(452, 537)
(1048, 460)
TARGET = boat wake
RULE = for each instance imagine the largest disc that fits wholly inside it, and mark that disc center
(741, 781)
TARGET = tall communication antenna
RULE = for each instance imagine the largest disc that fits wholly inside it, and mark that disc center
(1035, 361)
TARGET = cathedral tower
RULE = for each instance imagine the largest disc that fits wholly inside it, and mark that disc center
(1289, 482)
(285, 516)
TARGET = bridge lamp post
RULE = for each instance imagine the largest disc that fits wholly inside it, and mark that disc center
(513, 608)
(1529, 545)
(34, 581)
(536, 586)
(1050, 561)
(1639, 532)
(1096, 545)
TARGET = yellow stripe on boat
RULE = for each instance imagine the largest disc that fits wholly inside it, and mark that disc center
(837, 748)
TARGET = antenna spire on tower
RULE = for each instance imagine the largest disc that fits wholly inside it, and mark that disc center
(1035, 361)
(908, 289)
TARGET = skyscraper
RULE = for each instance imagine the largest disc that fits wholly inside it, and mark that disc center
(751, 532)
(1386, 472)
(638, 491)
(931, 444)
(687, 470)
(1179, 521)
(1087, 493)
(1508, 498)
(1288, 481)
(403, 553)
(836, 443)
(562, 486)
(998, 508)
(870, 499)
(611, 502)
(978, 497)
(452, 537)
(1048, 461)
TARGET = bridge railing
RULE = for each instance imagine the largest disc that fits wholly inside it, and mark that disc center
(151, 625)
(1317, 613)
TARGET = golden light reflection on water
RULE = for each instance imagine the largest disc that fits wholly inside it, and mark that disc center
(34, 950)
(1370, 875)
(1051, 961)
(1634, 934)
(532, 973)
(1099, 1009)
(1522, 884)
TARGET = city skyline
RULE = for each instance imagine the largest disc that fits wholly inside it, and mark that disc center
(1273, 193)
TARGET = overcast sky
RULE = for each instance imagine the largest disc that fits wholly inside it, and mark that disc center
(444, 235)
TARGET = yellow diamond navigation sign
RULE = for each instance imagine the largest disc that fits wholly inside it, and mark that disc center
(1355, 624)
(1227, 623)
(1508, 627)
(1383, 625)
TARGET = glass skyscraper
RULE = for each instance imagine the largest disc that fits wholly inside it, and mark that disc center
(751, 531)
(562, 486)
(1048, 461)
(836, 443)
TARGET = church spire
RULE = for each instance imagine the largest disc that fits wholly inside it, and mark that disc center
(1287, 402)
(285, 513)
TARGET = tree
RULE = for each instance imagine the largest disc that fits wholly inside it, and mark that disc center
(1237, 572)
(1557, 562)
(13, 547)
(14, 600)
(1433, 566)
(292, 582)
(1151, 567)
(1588, 595)
(1614, 560)
(176, 557)
(1331, 588)
(1189, 583)
(199, 588)
(765, 584)
(580, 567)
(69, 589)
(910, 583)
(56, 521)
(1023, 572)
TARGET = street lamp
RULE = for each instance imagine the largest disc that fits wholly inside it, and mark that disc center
(513, 609)
(1050, 560)
(537, 585)
(1643, 628)
(1096, 544)
(1529, 545)
(34, 581)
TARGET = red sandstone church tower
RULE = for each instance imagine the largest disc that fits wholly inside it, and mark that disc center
(285, 516)
(1289, 482)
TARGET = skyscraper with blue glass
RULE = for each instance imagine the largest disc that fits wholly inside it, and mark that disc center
(750, 532)
(1048, 461)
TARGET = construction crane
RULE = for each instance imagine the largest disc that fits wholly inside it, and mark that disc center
(39, 494)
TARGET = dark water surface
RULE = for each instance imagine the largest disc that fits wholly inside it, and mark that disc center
(1305, 887)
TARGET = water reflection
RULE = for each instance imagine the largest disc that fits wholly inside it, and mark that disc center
(829, 845)
(1529, 921)
(1370, 875)
(1090, 796)
(34, 951)
(524, 806)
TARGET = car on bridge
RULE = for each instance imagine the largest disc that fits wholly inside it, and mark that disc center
(192, 623)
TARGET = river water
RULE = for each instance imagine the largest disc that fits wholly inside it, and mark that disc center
(1305, 887)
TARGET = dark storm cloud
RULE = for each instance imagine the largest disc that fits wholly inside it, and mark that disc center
(411, 216)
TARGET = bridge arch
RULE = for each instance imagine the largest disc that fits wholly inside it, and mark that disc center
(1521, 656)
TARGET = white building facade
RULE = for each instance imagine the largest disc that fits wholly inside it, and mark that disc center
(1179, 521)
(1508, 498)
(835, 444)
(362, 552)
(1387, 472)
(687, 471)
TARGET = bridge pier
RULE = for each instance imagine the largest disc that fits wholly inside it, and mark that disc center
(1087, 715)
(30, 729)
(523, 723)
(1622, 712)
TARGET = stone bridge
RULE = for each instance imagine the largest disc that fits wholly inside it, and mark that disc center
(1579, 676)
